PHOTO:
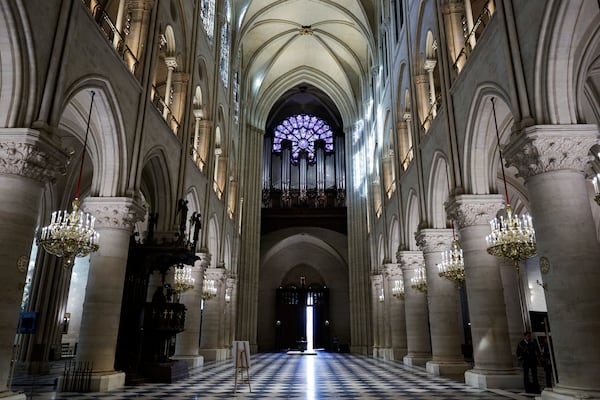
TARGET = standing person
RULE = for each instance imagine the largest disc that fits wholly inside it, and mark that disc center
(527, 353)
(546, 360)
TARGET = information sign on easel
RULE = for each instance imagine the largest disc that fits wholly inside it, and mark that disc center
(241, 361)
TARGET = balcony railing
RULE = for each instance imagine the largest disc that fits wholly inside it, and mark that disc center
(114, 37)
(480, 23)
(407, 159)
(200, 163)
(431, 114)
(161, 105)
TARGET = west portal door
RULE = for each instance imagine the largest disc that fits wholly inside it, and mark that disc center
(302, 315)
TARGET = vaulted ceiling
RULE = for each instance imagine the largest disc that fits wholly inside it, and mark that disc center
(328, 44)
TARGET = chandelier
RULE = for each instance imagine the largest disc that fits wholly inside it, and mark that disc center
(72, 234)
(452, 266)
(209, 289)
(398, 289)
(513, 237)
(419, 282)
(183, 279)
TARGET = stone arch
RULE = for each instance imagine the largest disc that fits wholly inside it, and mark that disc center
(394, 235)
(171, 50)
(568, 31)
(106, 142)
(17, 69)
(381, 254)
(213, 240)
(438, 191)
(412, 219)
(156, 186)
(482, 158)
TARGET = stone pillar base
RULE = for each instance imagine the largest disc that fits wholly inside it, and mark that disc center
(559, 393)
(505, 379)
(12, 396)
(191, 361)
(399, 353)
(386, 353)
(213, 354)
(416, 360)
(454, 369)
(101, 382)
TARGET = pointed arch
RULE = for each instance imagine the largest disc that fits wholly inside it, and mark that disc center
(412, 219)
(438, 191)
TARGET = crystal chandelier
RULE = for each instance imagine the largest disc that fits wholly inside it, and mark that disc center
(398, 289)
(71, 234)
(513, 237)
(419, 282)
(452, 266)
(209, 289)
(183, 279)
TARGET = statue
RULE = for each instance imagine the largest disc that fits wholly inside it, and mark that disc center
(196, 221)
(182, 210)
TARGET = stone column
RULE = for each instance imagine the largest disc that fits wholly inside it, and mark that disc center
(205, 129)
(186, 345)
(376, 281)
(552, 159)
(138, 31)
(417, 325)
(29, 160)
(397, 318)
(179, 84)
(198, 114)
(444, 308)
(514, 315)
(489, 327)
(171, 63)
(230, 294)
(422, 87)
(453, 11)
(115, 218)
(386, 352)
(430, 67)
(210, 339)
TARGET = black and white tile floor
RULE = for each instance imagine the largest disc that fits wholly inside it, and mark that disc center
(281, 376)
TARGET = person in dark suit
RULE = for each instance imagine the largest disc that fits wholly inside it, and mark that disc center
(528, 354)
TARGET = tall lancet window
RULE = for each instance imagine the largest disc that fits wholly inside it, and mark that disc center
(224, 61)
(207, 12)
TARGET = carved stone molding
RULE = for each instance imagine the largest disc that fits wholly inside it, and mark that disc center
(544, 148)
(114, 212)
(216, 274)
(376, 279)
(205, 258)
(470, 210)
(392, 271)
(434, 240)
(410, 259)
(27, 153)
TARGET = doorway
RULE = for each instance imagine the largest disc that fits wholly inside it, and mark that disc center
(302, 316)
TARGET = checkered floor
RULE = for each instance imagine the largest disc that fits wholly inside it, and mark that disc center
(282, 376)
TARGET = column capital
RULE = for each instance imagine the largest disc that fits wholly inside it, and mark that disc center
(376, 279)
(410, 259)
(543, 148)
(430, 64)
(171, 62)
(114, 212)
(205, 258)
(392, 271)
(31, 154)
(471, 209)
(434, 240)
(217, 274)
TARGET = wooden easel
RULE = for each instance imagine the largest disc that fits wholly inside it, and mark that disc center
(241, 355)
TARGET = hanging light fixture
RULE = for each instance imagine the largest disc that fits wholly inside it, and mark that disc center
(183, 279)
(512, 237)
(452, 266)
(72, 234)
(209, 289)
(419, 282)
(398, 289)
